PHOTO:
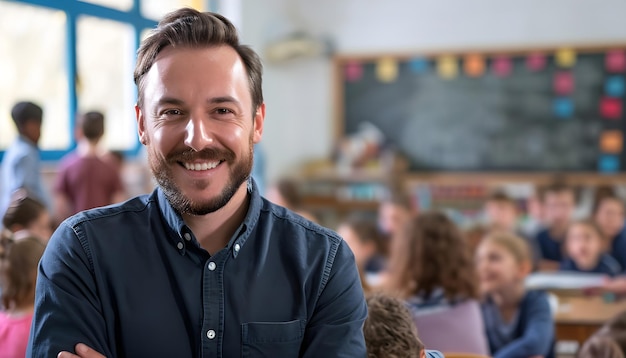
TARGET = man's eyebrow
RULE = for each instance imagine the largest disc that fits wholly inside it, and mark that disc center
(170, 100)
(223, 99)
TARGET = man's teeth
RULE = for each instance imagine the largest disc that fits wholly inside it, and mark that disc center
(201, 166)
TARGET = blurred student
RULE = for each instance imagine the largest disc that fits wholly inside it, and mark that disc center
(85, 179)
(558, 203)
(609, 214)
(585, 250)
(361, 234)
(431, 268)
(608, 342)
(600, 347)
(286, 194)
(20, 165)
(26, 213)
(394, 212)
(18, 273)
(390, 332)
(502, 214)
(518, 322)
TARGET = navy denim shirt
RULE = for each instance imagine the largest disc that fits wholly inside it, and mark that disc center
(131, 280)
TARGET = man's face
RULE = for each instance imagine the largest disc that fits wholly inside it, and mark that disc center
(197, 123)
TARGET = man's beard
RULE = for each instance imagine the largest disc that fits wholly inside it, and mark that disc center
(162, 171)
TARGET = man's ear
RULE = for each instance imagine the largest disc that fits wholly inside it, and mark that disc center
(259, 120)
(141, 125)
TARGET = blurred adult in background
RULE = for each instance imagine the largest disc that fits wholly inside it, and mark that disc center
(21, 165)
(86, 179)
(286, 193)
(608, 213)
(27, 214)
(360, 233)
(558, 203)
(431, 268)
(18, 273)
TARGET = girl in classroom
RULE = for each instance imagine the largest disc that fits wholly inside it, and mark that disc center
(431, 268)
(518, 322)
(585, 247)
(18, 273)
(26, 214)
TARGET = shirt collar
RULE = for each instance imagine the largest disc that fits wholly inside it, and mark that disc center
(183, 235)
(24, 139)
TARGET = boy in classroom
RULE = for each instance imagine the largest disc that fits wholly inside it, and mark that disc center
(558, 202)
(608, 213)
(518, 323)
(585, 250)
(390, 332)
(502, 214)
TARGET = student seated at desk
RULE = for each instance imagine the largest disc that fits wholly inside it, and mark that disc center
(609, 213)
(518, 323)
(431, 268)
(558, 202)
(585, 250)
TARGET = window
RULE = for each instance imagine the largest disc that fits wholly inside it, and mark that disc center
(71, 56)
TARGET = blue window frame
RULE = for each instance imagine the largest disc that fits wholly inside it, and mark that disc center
(74, 9)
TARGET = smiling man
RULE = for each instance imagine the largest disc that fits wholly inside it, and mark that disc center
(203, 267)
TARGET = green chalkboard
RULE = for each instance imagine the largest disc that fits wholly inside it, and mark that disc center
(523, 118)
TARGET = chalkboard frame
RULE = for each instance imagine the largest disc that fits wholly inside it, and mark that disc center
(340, 60)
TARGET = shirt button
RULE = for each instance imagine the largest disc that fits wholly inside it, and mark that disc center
(211, 265)
(187, 236)
(237, 247)
(210, 334)
(180, 245)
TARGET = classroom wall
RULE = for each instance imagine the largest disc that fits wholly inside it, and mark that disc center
(299, 93)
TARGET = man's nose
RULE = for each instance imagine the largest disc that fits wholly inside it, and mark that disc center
(197, 133)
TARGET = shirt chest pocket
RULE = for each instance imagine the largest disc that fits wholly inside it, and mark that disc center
(272, 339)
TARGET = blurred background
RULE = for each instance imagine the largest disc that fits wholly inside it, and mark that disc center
(446, 100)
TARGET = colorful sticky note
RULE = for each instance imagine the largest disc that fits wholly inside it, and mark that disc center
(474, 65)
(612, 141)
(447, 67)
(563, 83)
(387, 69)
(614, 86)
(611, 108)
(565, 57)
(563, 107)
(536, 61)
(353, 71)
(418, 65)
(608, 163)
(615, 61)
(502, 66)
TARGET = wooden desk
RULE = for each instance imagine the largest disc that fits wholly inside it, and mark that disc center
(579, 317)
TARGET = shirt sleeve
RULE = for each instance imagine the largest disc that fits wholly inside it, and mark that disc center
(538, 334)
(67, 307)
(336, 327)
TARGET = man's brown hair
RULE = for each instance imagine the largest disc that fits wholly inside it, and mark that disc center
(431, 253)
(389, 329)
(189, 28)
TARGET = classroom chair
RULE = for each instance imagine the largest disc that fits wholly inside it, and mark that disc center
(456, 329)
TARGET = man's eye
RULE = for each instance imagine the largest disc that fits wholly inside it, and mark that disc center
(173, 112)
(223, 111)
